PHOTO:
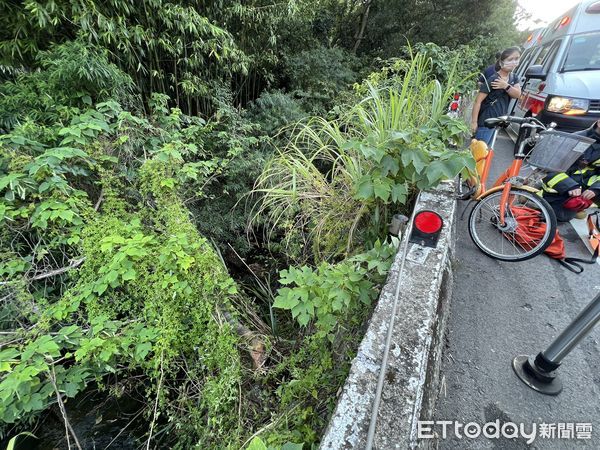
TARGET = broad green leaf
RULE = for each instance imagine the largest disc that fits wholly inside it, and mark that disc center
(15, 139)
(66, 215)
(141, 350)
(389, 165)
(70, 389)
(111, 276)
(381, 188)
(365, 188)
(168, 182)
(100, 288)
(399, 192)
(415, 158)
(303, 318)
(129, 275)
(404, 136)
(44, 187)
(256, 444)
(286, 302)
(9, 179)
(437, 171)
(372, 152)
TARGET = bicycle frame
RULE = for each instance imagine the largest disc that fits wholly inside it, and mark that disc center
(512, 197)
(504, 179)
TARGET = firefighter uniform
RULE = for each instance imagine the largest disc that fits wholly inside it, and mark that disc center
(584, 174)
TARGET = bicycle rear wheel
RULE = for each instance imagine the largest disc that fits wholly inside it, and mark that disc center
(498, 241)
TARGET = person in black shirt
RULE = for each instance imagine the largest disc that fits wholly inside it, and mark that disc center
(488, 72)
(495, 94)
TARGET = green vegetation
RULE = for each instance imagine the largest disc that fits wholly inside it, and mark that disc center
(393, 139)
(194, 199)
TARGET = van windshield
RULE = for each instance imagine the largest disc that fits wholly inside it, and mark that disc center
(584, 53)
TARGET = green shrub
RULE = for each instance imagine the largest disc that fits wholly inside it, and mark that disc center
(332, 291)
(149, 290)
(274, 110)
(336, 183)
(317, 76)
(70, 76)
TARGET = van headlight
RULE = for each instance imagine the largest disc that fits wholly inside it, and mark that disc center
(568, 106)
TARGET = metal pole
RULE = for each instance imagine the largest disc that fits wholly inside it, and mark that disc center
(574, 333)
(494, 136)
(539, 373)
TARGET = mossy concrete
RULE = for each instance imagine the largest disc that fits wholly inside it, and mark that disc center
(411, 379)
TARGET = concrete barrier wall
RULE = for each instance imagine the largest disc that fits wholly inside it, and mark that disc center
(412, 376)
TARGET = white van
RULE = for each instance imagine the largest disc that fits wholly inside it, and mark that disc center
(560, 72)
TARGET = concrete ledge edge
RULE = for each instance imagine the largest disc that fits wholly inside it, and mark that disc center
(412, 376)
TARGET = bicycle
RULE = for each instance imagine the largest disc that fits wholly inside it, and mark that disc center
(493, 226)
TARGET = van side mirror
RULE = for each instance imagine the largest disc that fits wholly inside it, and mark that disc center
(536, 71)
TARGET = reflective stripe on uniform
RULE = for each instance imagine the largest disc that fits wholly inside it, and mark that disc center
(593, 179)
(582, 171)
(557, 179)
(548, 189)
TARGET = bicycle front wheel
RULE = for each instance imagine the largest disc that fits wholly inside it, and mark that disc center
(504, 242)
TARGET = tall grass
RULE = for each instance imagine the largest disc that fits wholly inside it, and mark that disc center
(416, 101)
(309, 189)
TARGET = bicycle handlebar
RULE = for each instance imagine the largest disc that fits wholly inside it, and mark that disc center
(503, 121)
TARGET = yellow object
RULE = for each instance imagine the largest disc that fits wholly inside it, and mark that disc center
(479, 150)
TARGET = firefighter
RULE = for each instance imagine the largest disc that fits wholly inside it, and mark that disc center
(578, 188)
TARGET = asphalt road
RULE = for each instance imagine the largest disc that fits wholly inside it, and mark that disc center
(500, 310)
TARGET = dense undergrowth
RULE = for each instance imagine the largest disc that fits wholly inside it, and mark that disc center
(216, 266)
(103, 193)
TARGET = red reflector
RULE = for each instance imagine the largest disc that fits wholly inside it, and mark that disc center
(532, 104)
(454, 106)
(537, 106)
(456, 96)
(428, 222)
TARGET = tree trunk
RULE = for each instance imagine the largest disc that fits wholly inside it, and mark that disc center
(363, 26)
